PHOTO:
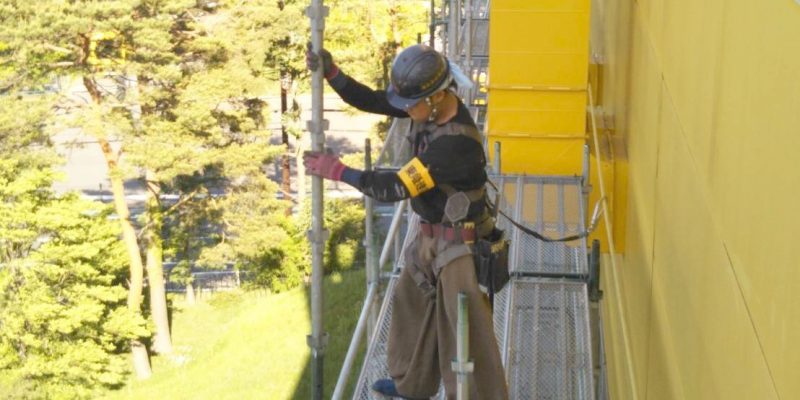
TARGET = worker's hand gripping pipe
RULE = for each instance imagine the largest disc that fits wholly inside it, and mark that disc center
(317, 235)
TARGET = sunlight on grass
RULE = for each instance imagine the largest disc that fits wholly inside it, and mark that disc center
(250, 345)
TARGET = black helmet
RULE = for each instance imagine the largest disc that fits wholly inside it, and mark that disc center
(417, 72)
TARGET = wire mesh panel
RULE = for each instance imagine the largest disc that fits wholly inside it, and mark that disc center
(551, 206)
(548, 355)
(374, 367)
(541, 325)
(500, 310)
(479, 40)
(375, 364)
(397, 149)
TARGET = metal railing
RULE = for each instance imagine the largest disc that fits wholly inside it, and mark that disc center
(372, 290)
(612, 251)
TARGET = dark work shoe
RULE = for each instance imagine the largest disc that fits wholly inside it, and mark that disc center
(387, 388)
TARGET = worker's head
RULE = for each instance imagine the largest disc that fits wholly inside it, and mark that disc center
(419, 77)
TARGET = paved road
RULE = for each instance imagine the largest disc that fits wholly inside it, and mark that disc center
(85, 169)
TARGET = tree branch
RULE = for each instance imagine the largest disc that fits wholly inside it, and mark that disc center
(170, 210)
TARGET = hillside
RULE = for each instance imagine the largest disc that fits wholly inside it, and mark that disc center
(252, 345)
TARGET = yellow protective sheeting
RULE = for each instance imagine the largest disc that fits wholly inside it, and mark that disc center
(696, 297)
(707, 97)
(539, 156)
(538, 57)
(534, 113)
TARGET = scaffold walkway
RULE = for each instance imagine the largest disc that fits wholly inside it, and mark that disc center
(541, 317)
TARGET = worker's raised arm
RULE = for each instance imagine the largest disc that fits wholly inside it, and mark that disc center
(351, 91)
(454, 160)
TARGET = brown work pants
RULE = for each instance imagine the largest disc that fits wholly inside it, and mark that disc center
(422, 335)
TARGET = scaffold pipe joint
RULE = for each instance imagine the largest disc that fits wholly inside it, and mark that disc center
(462, 368)
(323, 236)
(314, 129)
(318, 344)
(311, 12)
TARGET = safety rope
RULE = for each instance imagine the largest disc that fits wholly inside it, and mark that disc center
(595, 217)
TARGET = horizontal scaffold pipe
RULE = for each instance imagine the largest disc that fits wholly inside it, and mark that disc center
(538, 88)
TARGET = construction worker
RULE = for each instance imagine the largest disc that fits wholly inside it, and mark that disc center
(447, 172)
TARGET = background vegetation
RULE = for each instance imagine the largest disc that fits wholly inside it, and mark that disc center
(173, 95)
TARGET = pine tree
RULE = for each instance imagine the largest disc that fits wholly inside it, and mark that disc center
(177, 98)
(64, 324)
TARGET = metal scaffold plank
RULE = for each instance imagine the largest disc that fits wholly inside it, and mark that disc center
(541, 324)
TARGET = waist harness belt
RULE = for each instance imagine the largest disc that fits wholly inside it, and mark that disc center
(453, 233)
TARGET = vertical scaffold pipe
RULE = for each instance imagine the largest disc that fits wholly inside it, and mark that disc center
(497, 157)
(373, 270)
(317, 235)
(433, 26)
(468, 39)
(462, 365)
(452, 30)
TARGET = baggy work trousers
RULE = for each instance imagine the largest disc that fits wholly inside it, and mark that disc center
(422, 334)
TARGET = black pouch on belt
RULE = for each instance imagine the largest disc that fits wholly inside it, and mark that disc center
(491, 262)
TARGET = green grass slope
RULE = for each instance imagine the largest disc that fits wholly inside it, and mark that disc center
(253, 346)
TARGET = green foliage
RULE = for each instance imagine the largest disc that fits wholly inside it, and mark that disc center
(226, 300)
(364, 36)
(181, 89)
(254, 235)
(344, 219)
(64, 324)
(253, 346)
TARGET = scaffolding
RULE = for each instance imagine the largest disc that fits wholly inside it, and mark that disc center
(546, 316)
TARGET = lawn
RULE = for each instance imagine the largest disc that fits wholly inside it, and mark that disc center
(252, 345)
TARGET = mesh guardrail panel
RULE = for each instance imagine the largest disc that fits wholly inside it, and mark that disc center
(551, 206)
(374, 367)
(397, 149)
(479, 39)
(541, 324)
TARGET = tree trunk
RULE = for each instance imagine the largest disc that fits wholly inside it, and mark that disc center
(155, 268)
(141, 361)
(286, 186)
(190, 300)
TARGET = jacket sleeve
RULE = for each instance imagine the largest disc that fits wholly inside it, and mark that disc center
(363, 98)
(455, 160)
(380, 185)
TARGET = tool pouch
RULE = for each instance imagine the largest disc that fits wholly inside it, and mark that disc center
(491, 261)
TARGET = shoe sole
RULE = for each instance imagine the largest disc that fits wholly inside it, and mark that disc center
(382, 396)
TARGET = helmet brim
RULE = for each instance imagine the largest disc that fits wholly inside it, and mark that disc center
(399, 102)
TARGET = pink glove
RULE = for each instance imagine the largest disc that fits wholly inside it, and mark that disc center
(326, 165)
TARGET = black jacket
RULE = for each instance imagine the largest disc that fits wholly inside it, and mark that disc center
(455, 160)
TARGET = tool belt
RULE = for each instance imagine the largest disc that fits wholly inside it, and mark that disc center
(491, 262)
(490, 253)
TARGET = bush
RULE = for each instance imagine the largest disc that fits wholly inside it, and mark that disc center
(64, 323)
(344, 219)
